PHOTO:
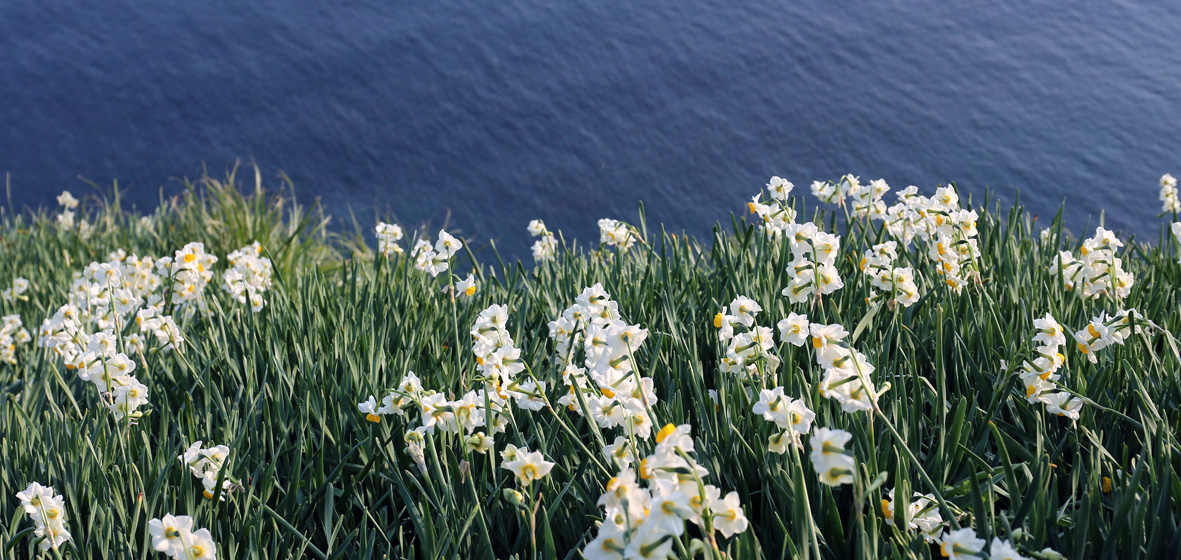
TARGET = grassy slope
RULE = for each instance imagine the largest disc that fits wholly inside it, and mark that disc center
(280, 388)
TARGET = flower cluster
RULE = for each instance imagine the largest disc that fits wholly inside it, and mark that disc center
(174, 536)
(846, 370)
(84, 332)
(48, 511)
(66, 219)
(643, 522)
(499, 363)
(1039, 376)
(1168, 194)
(189, 270)
(206, 464)
(748, 346)
(812, 270)
(776, 217)
(866, 200)
(1106, 330)
(249, 276)
(922, 514)
(12, 333)
(16, 291)
(950, 233)
(895, 283)
(834, 463)
(546, 245)
(388, 236)
(612, 390)
(616, 233)
(791, 415)
(437, 259)
(409, 391)
(948, 230)
(1097, 271)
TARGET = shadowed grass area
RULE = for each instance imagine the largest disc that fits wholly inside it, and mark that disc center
(280, 387)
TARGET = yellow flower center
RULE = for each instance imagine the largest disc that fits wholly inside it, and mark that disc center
(664, 432)
(373, 418)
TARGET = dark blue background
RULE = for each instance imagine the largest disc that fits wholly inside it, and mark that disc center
(499, 112)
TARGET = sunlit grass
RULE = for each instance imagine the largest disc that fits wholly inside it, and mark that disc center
(280, 388)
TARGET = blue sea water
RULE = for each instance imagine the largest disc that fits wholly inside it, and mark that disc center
(489, 114)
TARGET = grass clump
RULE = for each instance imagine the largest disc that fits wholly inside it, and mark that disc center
(929, 378)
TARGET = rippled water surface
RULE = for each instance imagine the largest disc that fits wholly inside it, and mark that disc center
(493, 113)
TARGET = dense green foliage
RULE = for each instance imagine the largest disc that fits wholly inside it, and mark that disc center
(281, 387)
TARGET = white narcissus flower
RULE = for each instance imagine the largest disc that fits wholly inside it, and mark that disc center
(467, 286)
(447, 245)
(479, 442)
(619, 452)
(608, 545)
(537, 228)
(787, 413)
(170, 534)
(744, 309)
(67, 200)
(779, 188)
(528, 465)
(1003, 550)
(826, 335)
(794, 329)
(34, 496)
(369, 409)
(1063, 404)
(833, 463)
(388, 236)
(1049, 332)
(668, 513)
(614, 232)
(961, 544)
(1168, 194)
(728, 515)
(48, 512)
(200, 546)
(544, 248)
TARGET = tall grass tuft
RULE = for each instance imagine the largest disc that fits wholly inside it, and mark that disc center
(280, 388)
